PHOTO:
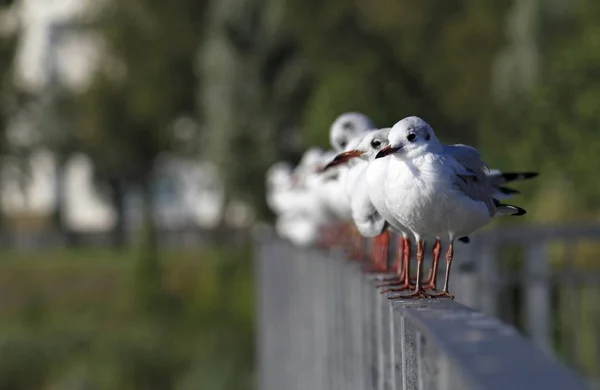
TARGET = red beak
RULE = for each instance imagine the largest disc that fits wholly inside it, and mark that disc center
(387, 151)
(343, 158)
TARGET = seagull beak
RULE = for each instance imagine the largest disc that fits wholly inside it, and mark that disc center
(342, 158)
(387, 151)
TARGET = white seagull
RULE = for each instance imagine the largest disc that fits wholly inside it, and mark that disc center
(367, 199)
(332, 185)
(432, 193)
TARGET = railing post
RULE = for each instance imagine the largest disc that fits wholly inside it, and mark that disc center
(536, 279)
(385, 351)
(409, 363)
(323, 325)
(427, 356)
(369, 337)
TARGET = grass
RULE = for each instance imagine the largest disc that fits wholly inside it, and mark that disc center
(72, 320)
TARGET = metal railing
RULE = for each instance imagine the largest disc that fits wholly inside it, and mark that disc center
(324, 325)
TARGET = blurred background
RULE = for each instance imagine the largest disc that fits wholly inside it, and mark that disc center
(134, 137)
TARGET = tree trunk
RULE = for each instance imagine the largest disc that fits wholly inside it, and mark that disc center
(60, 227)
(149, 272)
(119, 231)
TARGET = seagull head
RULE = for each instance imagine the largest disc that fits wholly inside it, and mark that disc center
(346, 127)
(373, 143)
(410, 138)
(365, 148)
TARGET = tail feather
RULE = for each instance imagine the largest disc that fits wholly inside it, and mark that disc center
(498, 178)
(504, 192)
(465, 239)
(508, 191)
(507, 209)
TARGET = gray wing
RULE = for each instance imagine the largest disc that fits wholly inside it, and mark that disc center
(471, 175)
(469, 157)
(472, 187)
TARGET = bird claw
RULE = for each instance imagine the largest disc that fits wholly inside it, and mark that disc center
(420, 294)
(405, 287)
(443, 294)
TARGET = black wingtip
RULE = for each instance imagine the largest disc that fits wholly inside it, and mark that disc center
(515, 210)
(465, 240)
(508, 191)
(519, 211)
(514, 176)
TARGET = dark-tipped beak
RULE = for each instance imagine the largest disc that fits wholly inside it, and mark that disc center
(387, 151)
(343, 158)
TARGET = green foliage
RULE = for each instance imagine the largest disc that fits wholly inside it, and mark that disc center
(391, 59)
(142, 85)
(554, 129)
(88, 330)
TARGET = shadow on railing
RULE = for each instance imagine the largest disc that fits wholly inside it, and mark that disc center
(324, 325)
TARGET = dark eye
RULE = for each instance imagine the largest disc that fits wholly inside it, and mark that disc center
(376, 143)
(411, 137)
(343, 143)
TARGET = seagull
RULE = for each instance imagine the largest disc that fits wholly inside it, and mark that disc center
(434, 194)
(292, 196)
(366, 218)
(369, 211)
(278, 183)
(345, 128)
(369, 220)
(348, 126)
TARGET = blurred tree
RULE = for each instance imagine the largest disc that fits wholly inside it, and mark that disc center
(253, 84)
(391, 59)
(143, 85)
(9, 93)
(550, 125)
(271, 67)
(140, 89)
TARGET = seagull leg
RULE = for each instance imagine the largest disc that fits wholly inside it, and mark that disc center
(385, 251)
(419, 292)
(437, 250)
(380, 258)
(324, 240)
(360, 247)
(449, 256)
(374, 249)
(398, 265)
(404, 275)
(355, 243)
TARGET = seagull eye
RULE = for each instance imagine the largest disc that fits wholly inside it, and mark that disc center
(411, 137)
(376, 143)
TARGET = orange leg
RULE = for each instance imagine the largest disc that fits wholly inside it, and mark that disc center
(405, 278)
(449, 256)
(432, 282)
(380, 252)
(418, 292)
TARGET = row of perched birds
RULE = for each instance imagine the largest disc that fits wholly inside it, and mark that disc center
(376, 181)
